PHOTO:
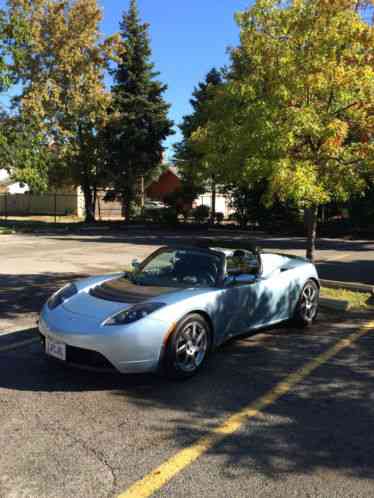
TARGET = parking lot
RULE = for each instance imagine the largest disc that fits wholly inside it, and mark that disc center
(297, 421)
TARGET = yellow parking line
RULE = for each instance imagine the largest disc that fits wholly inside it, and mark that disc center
(19, 344)
(160, 476)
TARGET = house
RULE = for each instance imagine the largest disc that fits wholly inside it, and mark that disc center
(170, 181)
(9, 187)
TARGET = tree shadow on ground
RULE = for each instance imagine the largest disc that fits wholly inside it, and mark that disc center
(159, 237)
(357, 270)
(325, 423)
(23, 294)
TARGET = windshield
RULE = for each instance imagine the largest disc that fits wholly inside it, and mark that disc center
(179, 268)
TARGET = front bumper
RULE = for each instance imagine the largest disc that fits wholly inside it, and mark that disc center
(133, 348)
(82, 358)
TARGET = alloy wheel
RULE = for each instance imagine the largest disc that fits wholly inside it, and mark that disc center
(191, 346)
(309, 302)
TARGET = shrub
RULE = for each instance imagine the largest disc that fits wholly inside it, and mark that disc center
(169, 216)
(220, 217)
(154, 215)
(201, 213)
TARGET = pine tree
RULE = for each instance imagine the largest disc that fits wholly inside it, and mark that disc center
(140, 121)
(194, 168)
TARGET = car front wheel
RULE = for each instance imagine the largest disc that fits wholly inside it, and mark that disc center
(188, 347)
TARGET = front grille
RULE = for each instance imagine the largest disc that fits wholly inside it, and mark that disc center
(87, 358)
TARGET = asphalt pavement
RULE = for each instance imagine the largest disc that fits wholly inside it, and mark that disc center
(35, 265)
(71, 433)
(66, 432)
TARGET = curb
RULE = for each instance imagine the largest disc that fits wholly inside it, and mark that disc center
(27, 329)
(353, 286)
(334, 304)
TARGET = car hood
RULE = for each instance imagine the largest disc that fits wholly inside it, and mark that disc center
(123, 290)
(110, 297)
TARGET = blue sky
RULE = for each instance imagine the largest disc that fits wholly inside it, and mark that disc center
(188, 38)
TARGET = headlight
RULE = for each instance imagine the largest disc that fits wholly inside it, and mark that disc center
(62, 295)
(133, 314)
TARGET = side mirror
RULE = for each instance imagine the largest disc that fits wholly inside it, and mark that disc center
(135, 263)
(244, 279)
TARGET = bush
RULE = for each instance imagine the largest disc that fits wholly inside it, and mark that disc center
(220, 217)
(154, 215)
(201, 213)
(181, 200)
(169, 216)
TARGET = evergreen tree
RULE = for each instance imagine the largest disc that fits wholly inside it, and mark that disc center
(195, 169)
(140, 121)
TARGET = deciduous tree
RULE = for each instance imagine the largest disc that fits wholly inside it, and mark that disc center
(61, 66)
(24, 152)
(298, 109)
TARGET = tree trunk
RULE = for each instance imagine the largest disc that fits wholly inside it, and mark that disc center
(142, 194)
(213, 208)
(310, 221)
(127, 195)
(89, 205)
(126, 206)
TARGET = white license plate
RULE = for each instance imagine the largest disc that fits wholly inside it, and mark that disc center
(55, 349)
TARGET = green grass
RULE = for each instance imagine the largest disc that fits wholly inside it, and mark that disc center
(5, 231)
(357, 300)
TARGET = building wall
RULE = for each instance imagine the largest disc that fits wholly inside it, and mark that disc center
(167, 183)
(222, 203)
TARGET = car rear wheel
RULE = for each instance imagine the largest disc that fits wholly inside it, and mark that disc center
(188, 347)
(307, 307)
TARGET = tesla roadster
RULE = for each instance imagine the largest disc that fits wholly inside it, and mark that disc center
(175, 307)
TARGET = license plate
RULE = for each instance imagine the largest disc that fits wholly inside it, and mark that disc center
(55, 349)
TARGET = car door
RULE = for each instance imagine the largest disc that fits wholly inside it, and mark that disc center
(241, 304)
(257, 300)
(242, 291)
(273, 298)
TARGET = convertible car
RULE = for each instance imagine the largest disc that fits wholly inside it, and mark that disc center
(175, 307)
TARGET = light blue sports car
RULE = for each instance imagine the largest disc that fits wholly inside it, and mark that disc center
(175, 307)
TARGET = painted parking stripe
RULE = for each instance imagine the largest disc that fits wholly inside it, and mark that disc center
(160, 476)
(19, 344)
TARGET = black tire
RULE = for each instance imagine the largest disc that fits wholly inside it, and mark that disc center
(307, 307)
(188, 347)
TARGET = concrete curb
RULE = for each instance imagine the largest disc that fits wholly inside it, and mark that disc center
(16, 330)
(353, 286)
(334, 304)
